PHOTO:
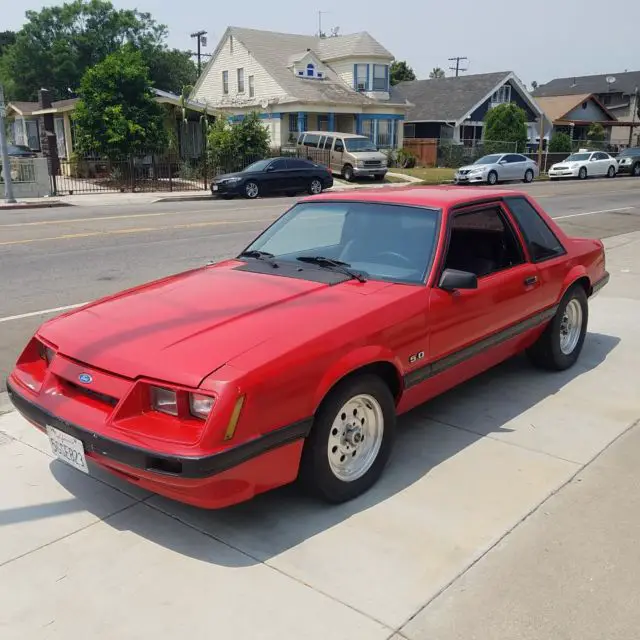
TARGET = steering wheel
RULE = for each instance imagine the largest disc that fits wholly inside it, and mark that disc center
(405, 261)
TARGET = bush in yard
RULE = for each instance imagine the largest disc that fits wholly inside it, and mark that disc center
(596, 133)
(406, 159)
(560, 143)
(117, 114)
(505, 123)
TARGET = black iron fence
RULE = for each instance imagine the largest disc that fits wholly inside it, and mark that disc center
(155, 172)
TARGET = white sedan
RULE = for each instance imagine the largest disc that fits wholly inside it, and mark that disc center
(585, 164)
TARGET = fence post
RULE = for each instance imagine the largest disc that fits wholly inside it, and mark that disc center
(132, 174)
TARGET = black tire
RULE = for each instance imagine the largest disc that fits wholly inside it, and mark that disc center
(316, 475)
(554, 179)
(635, 171)
(611, 172)
(528, 176)
(378, 178)
(492, 178)
(251, 189)
(582, 174)
(315, 187)
(546, 352)
(347, 173)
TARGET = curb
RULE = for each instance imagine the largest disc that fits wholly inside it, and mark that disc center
(35, 205)
(5, 404)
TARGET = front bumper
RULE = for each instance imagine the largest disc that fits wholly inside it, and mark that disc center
(369, 172)
(564, 173)
(467, 178)
(211, 481)
(625, 168)
(227, 188)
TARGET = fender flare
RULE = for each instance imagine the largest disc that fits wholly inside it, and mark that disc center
(576, 273)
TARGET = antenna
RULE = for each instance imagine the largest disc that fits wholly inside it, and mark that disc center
(457, 68)
(321, 34)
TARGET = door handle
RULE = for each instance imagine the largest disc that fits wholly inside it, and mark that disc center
(530, 281)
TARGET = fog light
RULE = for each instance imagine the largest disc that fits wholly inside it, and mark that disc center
(200, 406)
(164, 400)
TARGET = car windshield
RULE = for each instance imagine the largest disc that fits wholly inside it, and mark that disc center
(489, 159)
(261, 165)
(359, 144)
(628, 153)
(387, 242)
(577, 157)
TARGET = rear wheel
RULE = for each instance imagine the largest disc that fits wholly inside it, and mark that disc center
(251, 189)
(351, 439)
(561, 342)
(347, 173)
(582, 174)
(611, 172)
(528, 175)
(492, 178)
(315, 187)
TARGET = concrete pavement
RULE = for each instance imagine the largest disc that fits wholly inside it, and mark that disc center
(494, 518)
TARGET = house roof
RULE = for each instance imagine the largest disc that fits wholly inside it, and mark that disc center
(556, 107)
(276, 51)
(23, 108)
(446, 99)
(624, 82)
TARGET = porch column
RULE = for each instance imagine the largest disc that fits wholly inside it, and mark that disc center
(300, 121)
(358, 123)
(332, 122)
(374, 131)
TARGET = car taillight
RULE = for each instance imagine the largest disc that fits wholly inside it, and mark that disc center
(164, 400)
(46, 353)
(200, 406)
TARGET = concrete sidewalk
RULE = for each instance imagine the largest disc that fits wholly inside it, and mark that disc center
(495, 519)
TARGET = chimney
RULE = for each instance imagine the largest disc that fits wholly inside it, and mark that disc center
(44, 99)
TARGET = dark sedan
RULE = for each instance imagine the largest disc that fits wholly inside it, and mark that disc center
(274, 175)
(629, 161)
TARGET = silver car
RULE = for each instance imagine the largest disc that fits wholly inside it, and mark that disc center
(498, 167)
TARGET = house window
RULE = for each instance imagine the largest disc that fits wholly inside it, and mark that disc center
(311, 70)
(241, 80)
(361, 80)
(33, 135)
(385, 133)
(380, 77)
(58, 125)
(293, 122)
(366, 128)
(409, 130)
(323, 123)
(225, 82)
(502, 95)
(252, 88)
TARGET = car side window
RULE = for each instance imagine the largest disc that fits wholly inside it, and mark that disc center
(512, 157)
(278, 165)
(482, 242)
(339, 145)
(541, 241)
(601, 156)
(298, 164)
(328, 143)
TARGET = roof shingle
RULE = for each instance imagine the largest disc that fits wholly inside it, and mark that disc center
(626, 82)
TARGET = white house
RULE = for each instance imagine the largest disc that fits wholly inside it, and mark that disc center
(304, 83)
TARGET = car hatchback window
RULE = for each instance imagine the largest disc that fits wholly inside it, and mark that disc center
(541, 241)
(388, 242)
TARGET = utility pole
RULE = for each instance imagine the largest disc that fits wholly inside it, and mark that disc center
(635, 109)
(6, 165)
(320, 32)
(201, 40)
(457, 68)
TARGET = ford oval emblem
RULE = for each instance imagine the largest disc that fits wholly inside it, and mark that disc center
(85, 378)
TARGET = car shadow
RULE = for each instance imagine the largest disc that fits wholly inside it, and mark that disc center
(274, 522)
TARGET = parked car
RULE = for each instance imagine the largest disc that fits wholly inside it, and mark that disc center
(20, 151)
(294, 359)
(274, 175)
(498, 167)
(585, 164)
(349, 155)
(629, 161)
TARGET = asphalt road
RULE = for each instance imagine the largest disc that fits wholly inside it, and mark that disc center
(52, 258)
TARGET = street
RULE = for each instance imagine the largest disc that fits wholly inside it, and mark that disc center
(52, 258)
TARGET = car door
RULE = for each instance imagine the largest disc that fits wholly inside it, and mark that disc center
(337, 154)
(276, 176)
(299, 174)
(603, 163)
(516, 166)
(469, 328)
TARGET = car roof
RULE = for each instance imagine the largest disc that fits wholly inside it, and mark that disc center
(336, 133)
(441, 197)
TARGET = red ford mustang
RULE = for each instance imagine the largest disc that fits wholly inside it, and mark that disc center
(294, 359)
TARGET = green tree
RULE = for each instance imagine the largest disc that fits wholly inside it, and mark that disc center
(58, 44)
(400, 71)
(506, 123)
(117, 114)
(170, 69)
(560, 143)
(437, 73)
(596, 133)
(7, 38)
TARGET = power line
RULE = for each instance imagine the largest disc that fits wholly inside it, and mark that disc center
(457, 68)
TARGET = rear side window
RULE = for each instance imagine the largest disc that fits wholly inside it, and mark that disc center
(299, 164)
(328, 143)
(311, 140)
(541, 241)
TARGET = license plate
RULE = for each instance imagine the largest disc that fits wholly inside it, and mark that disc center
(215, 187)
(68, 449)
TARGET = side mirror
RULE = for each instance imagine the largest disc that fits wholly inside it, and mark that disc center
(270, 168)
(453, 279)
(502, 162)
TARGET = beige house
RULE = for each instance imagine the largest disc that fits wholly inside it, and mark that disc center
(304, 83)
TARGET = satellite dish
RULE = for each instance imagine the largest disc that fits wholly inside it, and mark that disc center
(610, 79)
(264, 103)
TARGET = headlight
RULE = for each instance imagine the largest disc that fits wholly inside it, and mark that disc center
(575, 165)
(200, 406)
(478, 170)
(236, 179)
(164, 400)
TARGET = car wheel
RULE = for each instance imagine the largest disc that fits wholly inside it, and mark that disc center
(528, 175)
(315, 187)
(351, 439)
(611, 172)
(582, 174)
(227, 196)
(553, 179)
(492, 178)
(251, 190)
(636, 170)
(561, 342)
(347, 172)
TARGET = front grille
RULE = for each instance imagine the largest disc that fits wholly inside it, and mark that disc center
(100, 397)
(372, 163)
(464, 172)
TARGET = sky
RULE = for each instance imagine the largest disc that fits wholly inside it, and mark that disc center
(538, 40)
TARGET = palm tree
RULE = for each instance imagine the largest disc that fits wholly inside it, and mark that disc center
(436, 72)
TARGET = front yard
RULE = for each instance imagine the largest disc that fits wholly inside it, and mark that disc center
(429, 175)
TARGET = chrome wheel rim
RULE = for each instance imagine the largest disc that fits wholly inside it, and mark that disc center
(612, 172)
(570, 327)
(252, 189)
(316, 187)
(492, 178)
(355, 438)
(528, 177)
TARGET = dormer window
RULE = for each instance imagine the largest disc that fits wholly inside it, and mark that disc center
(311, 70)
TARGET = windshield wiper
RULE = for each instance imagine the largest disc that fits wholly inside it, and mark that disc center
(260, 255)
(336, 265)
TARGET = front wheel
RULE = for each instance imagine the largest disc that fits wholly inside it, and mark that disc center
(351, 440)
(582, 174)
(611, 172)
(347, 173)
(561, 342)
(492, 178)
(251, 190)
(528, 176)
(315, 187)
(636, 170)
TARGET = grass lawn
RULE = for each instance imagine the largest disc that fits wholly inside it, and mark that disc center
(430, 175)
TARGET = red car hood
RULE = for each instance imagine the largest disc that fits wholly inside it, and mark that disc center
(182, 328)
